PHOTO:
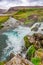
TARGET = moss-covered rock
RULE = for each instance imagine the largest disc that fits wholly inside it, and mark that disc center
(30, 52)
(27, 43)
(39, 53)
(36, 60)
(36, 39)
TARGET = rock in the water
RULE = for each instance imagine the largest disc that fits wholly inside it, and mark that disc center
(10, 57)
(18, 60)
(41, 29)
(34, 29)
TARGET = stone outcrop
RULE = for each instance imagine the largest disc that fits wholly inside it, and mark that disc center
(18, 60)
(36, 40)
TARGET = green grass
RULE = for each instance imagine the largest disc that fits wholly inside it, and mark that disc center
(3, 19)
(36, 60)
(27, 21)
(1, 63)
(25, 13)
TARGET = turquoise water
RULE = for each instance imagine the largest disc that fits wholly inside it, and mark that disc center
(13, 40)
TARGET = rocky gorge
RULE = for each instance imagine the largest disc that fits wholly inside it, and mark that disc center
(21, 42)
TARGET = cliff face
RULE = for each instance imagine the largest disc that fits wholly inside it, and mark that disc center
(18, 60)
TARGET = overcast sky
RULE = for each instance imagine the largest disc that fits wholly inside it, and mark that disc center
(11, 3)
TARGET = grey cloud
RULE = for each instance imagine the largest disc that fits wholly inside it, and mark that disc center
(32, 0)
(12, 0)
(35, 0)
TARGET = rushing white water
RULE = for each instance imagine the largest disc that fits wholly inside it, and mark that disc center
(15, 42)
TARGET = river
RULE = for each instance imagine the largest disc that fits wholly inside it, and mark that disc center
(12, 41)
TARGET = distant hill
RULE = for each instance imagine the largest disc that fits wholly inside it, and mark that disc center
(12, 9)
(2, 11)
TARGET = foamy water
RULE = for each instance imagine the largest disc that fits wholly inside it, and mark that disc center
(15, 42)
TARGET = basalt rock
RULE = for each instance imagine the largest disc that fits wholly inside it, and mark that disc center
(18, 60)
(36, 27)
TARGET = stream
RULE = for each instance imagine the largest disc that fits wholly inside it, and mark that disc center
(12, 41)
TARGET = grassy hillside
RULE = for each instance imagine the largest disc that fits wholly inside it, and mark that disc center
(3, 19)
(29, 15)
(25, 15)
